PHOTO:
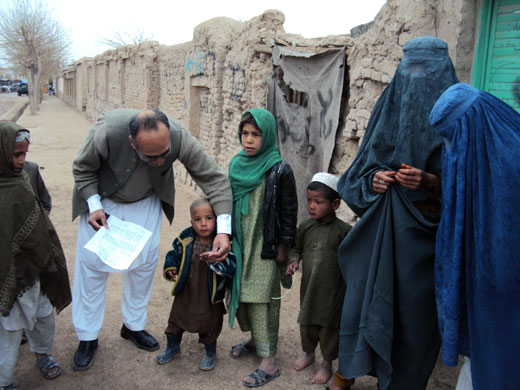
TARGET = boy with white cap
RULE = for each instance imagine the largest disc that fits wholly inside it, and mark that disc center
(322, 287)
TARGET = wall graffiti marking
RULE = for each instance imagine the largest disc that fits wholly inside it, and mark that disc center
(238, 82)
(203, 63)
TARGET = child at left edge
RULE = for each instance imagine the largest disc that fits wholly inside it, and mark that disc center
(322, 287)
(199, 286)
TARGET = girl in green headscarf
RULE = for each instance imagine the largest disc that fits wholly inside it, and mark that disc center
(265, 209)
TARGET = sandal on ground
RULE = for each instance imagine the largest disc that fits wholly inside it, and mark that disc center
(243, 349)
(46, 363)
(260, 378)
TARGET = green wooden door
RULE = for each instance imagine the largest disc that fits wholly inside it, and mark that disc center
(500, 55)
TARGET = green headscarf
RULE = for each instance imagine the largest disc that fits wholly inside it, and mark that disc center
(29, 246)
(245, 174)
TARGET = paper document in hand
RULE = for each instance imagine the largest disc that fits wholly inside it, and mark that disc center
(120, 244)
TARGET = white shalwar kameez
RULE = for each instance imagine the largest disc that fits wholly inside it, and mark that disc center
(91, 273)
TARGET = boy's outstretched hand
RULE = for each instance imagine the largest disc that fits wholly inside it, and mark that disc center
(220, 250)
(292, 267)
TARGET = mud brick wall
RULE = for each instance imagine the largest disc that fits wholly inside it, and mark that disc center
(208, 82)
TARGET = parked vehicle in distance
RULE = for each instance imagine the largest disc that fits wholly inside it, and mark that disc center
(6, 88)
(23, 90)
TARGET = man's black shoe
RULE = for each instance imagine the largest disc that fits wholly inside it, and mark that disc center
(141, 338)
(84, 355)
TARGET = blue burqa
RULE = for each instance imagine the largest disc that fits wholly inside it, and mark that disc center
(477, 263)
(389, 322)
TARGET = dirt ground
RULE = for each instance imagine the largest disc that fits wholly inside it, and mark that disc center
(57, 132)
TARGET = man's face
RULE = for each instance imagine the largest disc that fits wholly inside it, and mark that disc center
(152, 147)
(19, 152)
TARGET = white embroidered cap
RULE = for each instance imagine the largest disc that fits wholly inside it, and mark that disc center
(23, 134)
(327, 179)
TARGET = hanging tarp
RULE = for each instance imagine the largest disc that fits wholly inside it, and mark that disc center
(305, 96)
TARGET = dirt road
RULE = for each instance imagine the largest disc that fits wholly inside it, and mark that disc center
(57, 132)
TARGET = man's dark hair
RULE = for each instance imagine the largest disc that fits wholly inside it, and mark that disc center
(247, 118)
(326, 191)
(147, 120)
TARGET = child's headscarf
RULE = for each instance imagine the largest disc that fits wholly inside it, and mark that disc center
(29, 246)
(245, 174)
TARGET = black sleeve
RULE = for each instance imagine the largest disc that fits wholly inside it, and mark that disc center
(287, 206)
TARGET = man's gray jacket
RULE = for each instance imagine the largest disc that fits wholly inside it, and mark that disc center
(106, 161)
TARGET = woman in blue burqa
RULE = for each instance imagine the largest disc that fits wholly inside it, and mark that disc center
(477, 268)
(389, 321)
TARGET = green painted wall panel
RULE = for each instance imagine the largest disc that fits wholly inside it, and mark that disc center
(497, 86)
(506, 43)
(511, 62)
(511, 34)
(506, 51)
(508, 17)
(497, 57)
(506, 9)
(502, 78)
(509, 26)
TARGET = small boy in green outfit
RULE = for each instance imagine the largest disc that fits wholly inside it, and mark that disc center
(322, 286)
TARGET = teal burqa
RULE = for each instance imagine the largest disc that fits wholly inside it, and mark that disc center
(245, 174)
(389, 322)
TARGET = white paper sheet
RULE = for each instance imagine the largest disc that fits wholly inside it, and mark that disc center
(119, 246)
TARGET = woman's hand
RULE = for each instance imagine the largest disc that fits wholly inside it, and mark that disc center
(415, 178)
(171, 274)
(381, 181)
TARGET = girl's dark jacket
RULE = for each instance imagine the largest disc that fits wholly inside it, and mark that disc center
(280, 209)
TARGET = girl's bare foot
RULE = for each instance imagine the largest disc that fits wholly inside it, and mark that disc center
(304, 361)
(323, 374)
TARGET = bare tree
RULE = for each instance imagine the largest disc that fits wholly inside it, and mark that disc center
(34, 42)
(121, 38)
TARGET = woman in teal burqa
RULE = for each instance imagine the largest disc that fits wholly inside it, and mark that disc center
(389, 324)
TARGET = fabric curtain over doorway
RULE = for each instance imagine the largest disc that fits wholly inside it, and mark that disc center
(304, 95)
